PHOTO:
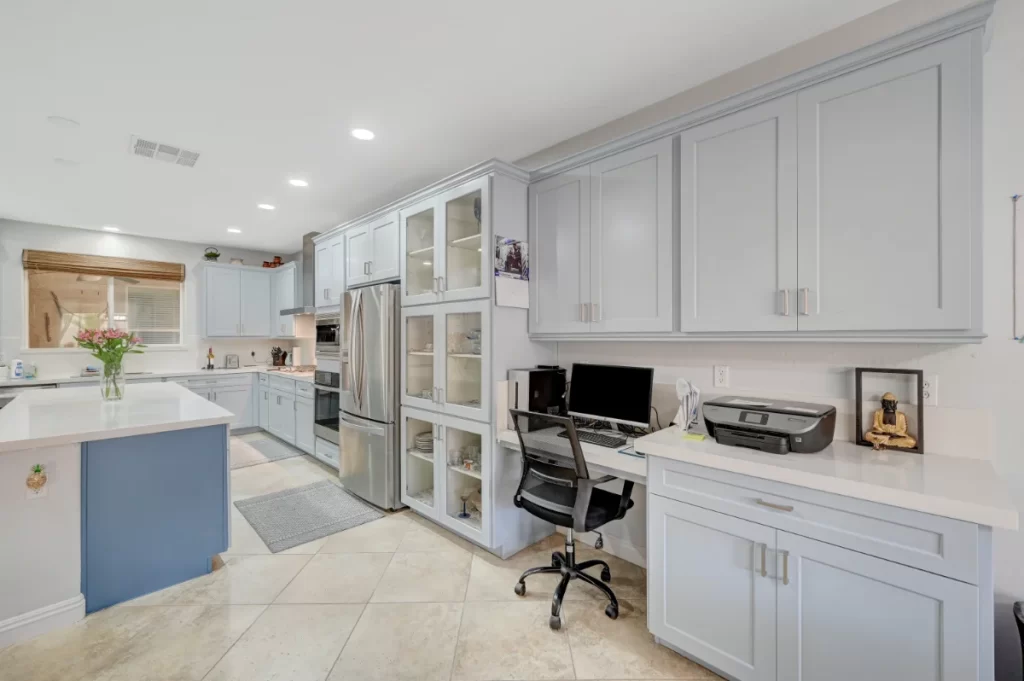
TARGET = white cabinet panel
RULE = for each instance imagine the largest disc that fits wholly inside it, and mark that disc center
(264, 408)
(845, 616)
(384, 248)
(282, 416)
(358, 252)
(304, 437)
(885, 194)
(324, 275)
(712, 589)
(631, 281)
(237, 400)
(738, 247)
(337, 256)
(222, 294)
(255, 304)
(284, 298)
(559, 224)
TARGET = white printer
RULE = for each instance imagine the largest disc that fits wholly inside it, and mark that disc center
(777, 426)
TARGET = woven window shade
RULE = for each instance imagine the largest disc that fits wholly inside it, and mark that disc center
(50, 261)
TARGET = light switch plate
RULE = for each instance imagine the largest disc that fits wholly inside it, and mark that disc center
(931, 390)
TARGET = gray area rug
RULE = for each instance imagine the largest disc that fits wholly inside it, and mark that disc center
(296, 516)
(263, 450)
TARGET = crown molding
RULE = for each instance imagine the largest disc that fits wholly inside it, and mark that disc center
(955, 23)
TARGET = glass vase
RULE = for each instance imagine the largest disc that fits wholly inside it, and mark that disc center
(112, 383)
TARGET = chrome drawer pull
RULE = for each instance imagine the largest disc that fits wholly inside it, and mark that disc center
(764, 560)
(785, 567)
(777, 507)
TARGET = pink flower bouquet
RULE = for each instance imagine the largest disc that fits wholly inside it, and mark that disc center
(110, 346)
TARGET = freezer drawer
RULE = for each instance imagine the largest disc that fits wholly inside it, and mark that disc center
(368, 466)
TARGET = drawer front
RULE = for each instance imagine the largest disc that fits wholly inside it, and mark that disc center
(940, 545)
(232, 381)
(304, 389)
(264, 379)
(286, 385)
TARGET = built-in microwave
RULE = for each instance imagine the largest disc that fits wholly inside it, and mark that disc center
(328, 335)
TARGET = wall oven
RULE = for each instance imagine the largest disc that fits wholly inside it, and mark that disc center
(327, 405)
(328, 335)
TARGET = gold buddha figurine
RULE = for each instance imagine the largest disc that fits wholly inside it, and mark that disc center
(889, 427)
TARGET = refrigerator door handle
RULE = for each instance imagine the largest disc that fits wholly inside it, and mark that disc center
(375, 429)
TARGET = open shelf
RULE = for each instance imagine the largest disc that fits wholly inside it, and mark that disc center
(420, 251)
(469, 243)
(473, 521)
(421, 353)
(472, 474)
(429, 458)
(463, 355)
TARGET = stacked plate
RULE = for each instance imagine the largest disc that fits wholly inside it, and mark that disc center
(424, 442)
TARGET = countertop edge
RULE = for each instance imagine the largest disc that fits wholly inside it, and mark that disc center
(95, 436)
(913, 501)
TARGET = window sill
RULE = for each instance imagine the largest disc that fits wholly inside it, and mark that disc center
(83, 351)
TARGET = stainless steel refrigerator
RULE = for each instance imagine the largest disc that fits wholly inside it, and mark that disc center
(368, 424)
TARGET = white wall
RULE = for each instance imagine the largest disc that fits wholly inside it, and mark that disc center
(17, 236)
(981, 387)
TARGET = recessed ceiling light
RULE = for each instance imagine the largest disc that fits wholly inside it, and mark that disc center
(298, 183)
(111, 228)
(234, 230)
(265, 206)
(62, 122)
(363, 134)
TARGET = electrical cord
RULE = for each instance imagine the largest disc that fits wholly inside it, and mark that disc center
(657, 416)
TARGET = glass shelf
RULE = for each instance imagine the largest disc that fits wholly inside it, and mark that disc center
(463, 471)
(419, 364)
(464, 380)
(419, 245)
(419, 460)
(464, 232)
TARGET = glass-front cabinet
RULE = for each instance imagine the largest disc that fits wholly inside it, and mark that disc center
(446, 246)
(421, 446)
(446, 358)
(445, 460)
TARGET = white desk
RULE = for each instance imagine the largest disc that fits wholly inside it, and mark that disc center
(600, 460)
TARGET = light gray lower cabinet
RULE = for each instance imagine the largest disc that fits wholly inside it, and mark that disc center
(304, 437)
(282, 416)
(759, 604)
(264, 408)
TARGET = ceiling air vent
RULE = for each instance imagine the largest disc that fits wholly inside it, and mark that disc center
(164, 152)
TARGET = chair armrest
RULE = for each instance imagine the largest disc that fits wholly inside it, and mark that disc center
(627, 492)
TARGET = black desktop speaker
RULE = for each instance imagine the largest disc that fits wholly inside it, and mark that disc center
(541, 390)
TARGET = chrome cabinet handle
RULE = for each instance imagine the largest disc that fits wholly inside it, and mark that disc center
(785, 567)
(435, 285)
(585, 313)
(443, 286)
(764, 560)
(595, 312)
(777, 507)
(440, 395)
(805, 304)
(785, 302)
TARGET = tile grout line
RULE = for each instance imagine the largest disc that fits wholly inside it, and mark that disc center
(235, 642)
(347, 639)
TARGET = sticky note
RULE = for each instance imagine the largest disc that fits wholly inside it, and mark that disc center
(693, 436)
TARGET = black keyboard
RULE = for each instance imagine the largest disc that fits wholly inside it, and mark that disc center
(599, 439)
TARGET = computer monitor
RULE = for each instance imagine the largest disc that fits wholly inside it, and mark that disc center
(611, 393)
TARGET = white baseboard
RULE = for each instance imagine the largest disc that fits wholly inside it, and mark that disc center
(41, 620)
(616, 546)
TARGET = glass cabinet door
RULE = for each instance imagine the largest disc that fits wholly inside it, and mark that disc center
(465, 387)
(420, 447)
(419, 258)
(420, 353)
(466, 502)
(467, 251)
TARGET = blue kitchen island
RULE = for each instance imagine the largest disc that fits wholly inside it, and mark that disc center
(136, 499)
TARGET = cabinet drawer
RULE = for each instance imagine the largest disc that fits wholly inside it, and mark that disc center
(285, 385)
(304, 389)
(940, 545)
(229, 381)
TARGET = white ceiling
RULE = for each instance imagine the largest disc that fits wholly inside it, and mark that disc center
(266, 91)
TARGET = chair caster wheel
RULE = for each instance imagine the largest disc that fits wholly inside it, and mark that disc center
(599, 542)
(520, 589)
(606, 575)
(555, 623)
(612, 611)
(555, 560)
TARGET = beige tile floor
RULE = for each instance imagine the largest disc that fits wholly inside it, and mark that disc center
(398, 598)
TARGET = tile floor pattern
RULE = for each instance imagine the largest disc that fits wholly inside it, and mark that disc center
(393, 600)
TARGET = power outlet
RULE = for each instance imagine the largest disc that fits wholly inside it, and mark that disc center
(721, 376)
(931, 390)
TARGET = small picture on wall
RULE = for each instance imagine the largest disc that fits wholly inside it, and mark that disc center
(511, 259)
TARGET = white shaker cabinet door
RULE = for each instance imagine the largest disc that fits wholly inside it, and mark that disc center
(559, 229)
(264, 408)
(337, 257)
(384, 264)
(256, 304)
(237, 400)
(631, 247)
(304, 434)
(738, 221)
(887, 183)
(846, 616)
(324, 279)
(357, 256)
(711, 588)
(222, 295)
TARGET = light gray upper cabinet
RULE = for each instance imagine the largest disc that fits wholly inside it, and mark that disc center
(631, 229)
(284, 285)
(559, 224)
(603, 256)
(888, 178)
(357, 255)
(255, 304)
(384, 248)
(324, 274)
(738, 221)
(236, 301)
(834, 605)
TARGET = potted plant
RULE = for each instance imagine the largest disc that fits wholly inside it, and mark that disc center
(110, 346)
(211, 254)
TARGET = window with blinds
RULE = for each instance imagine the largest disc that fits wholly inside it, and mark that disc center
(68, 293)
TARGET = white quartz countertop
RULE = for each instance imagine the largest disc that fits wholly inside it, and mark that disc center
(44, 418)
(305, 376)
(952, 487)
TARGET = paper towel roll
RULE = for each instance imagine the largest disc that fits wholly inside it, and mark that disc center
(296, 356)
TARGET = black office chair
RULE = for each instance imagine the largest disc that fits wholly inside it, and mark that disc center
(562, 492)
(1018, 614)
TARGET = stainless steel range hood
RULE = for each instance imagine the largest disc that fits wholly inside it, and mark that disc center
(307, 275)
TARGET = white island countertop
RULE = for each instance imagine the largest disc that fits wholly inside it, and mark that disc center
(44, 418)
(948, 486)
